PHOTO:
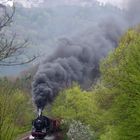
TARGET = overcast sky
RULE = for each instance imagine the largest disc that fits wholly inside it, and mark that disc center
(119, 3)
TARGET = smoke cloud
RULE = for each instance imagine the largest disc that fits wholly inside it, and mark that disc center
(77, 59)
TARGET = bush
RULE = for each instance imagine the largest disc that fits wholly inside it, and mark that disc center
(78, 131)
(15, 114)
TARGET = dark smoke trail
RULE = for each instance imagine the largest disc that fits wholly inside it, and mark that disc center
(76, 60)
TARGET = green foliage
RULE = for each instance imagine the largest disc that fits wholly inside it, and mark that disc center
(121, 75)
(15, 113)
(76, 104)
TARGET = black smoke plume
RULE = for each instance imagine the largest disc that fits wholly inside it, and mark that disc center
(77, 59)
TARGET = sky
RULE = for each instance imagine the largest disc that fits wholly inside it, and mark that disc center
(118, 3)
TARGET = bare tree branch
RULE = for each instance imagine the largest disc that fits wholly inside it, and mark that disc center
(15, 64)
(6, 17)
(12, 52)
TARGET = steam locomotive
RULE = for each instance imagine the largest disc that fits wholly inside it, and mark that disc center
(44, 127)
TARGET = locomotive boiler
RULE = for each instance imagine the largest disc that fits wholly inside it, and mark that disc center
(44, 127)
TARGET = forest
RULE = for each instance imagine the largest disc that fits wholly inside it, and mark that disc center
(104, 106)
(110, 110)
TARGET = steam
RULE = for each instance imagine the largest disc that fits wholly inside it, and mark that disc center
(77, 59)
(39, 112)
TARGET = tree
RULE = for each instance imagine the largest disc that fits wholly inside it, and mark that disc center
(15, 111)
(76, 104)
(12, 51)
(121, 75)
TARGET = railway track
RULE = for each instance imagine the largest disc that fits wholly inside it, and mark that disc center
(55, 136)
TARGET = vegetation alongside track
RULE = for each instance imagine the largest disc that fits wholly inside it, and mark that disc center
(16, 111)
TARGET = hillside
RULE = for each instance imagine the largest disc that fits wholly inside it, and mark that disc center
(43, 26)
